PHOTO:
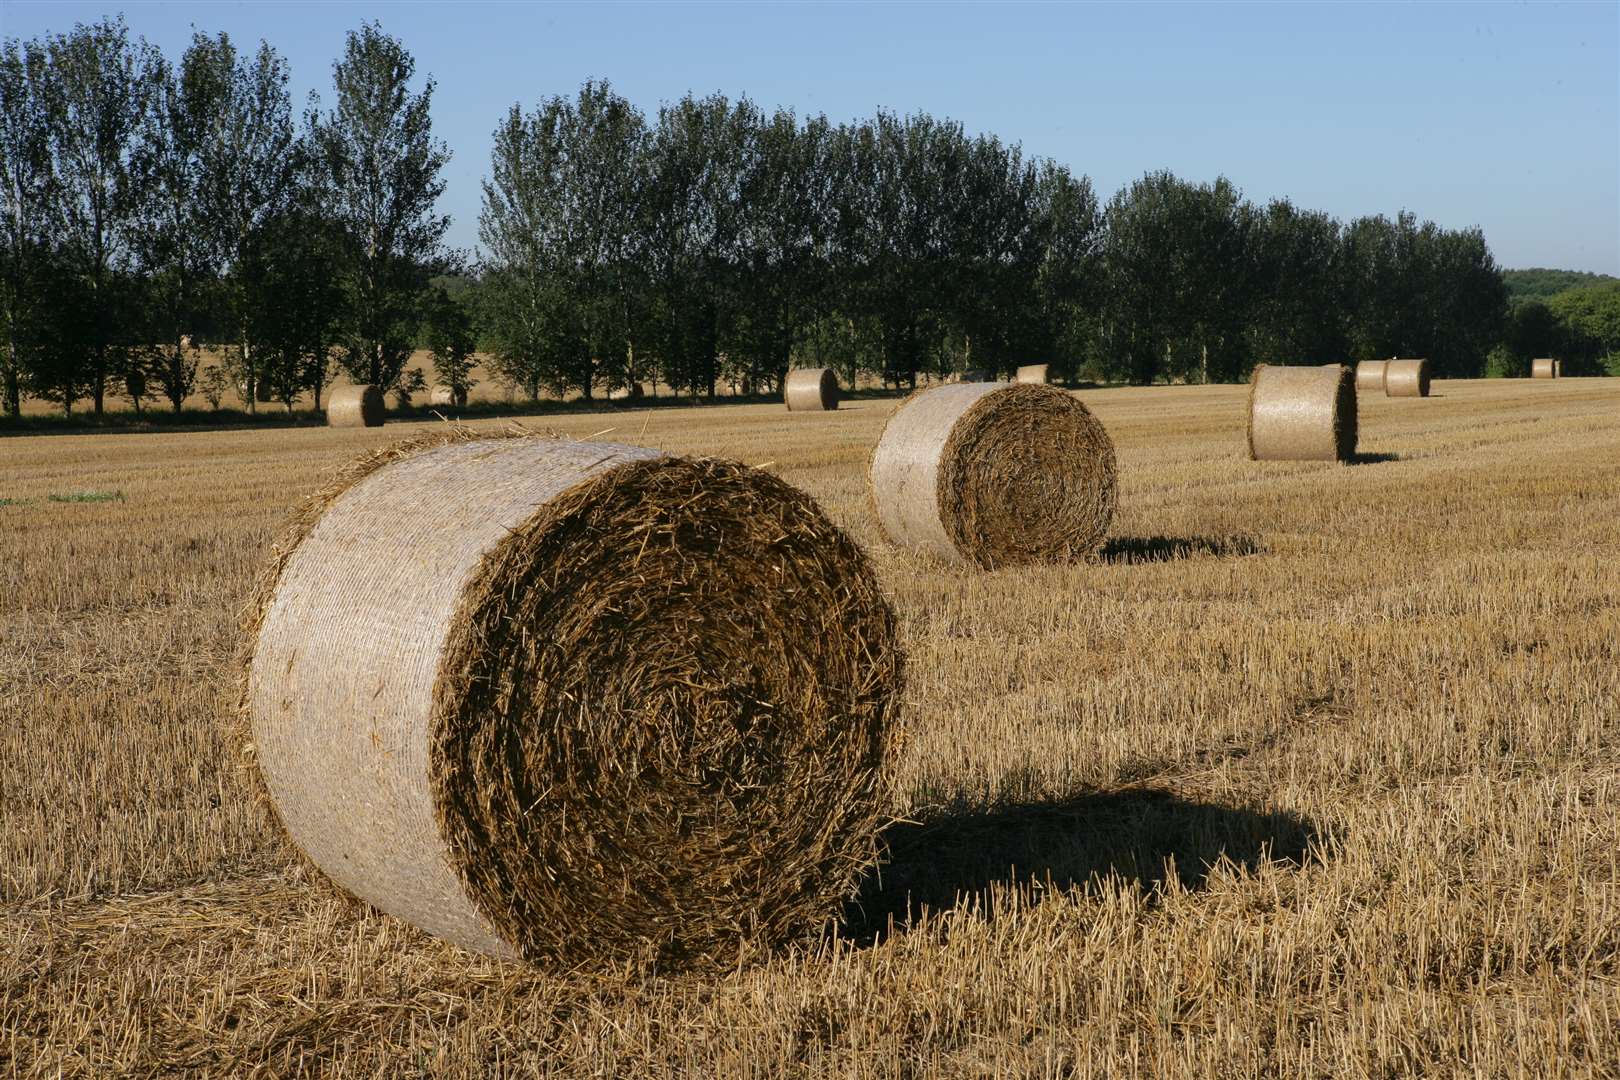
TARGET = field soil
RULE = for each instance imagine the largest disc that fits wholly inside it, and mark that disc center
(1314, 771)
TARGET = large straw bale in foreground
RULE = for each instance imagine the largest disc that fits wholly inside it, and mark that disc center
(1033, 373)
(1370, 376)
(994, 474)
(355, 406)
(1407, 378)
(811, 390)
(1544, 368)
(575, 702)
(1302, 413)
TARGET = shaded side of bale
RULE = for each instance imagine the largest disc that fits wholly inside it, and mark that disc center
(355, 406)
(1302, 413)
(810, 390)
(1033, 373)
(1407, 378)
(485, 719)
(1544, 368)
(994, 474)
(1370, 376)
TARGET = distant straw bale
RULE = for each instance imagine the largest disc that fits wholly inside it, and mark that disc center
(632, 392)
(443, 396)
(576, 703)
(1407, 378)
(811, 390)
(975, 375)
(1370, 376)
(994, 474)
(355, 406)
(1544, 368)
(1302, 413)
(1033, 373)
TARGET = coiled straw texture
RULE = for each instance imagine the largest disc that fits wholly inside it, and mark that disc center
(1407, 378)
(811, 390)
(576, 703)
(355, 406)
(1370, 376)
(1033, 373)
(994, 474)
(1544, 368)
(1302, 413)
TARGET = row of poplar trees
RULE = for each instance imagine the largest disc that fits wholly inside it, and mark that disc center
(152, 208)
(717, 243)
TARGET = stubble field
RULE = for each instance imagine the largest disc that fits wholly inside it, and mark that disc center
(1315, 771)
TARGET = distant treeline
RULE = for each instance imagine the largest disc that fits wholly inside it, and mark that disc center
(154, 207)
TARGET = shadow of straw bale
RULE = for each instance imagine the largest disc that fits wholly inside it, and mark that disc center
(1372, 459)
(1142, 835)
(1152, 549)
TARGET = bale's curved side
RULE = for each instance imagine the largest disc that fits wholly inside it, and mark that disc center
(446, 576)
(810, 390)
(1034, 373)
(1544, 368)
(1370, 375)
(355, 406)
(1302, 413)
(1407, 378)
(994, 474)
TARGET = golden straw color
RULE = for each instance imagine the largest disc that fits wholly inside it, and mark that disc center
(1544, 368)
(1370, 375)
(1407, 378)
(443, 395)
(355, 406)
(1033, 373)
(577, 703)
(1302, 413)
(994, 474)
(811, 390)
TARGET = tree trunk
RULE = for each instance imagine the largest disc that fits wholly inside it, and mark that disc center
(252, 377)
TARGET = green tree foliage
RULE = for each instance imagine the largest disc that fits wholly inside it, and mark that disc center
(377, 168)
(1590, 319)
(26, 188)
(1540, 283)
(448, 332)
(97, 92)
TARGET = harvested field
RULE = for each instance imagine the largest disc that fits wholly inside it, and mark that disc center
(1314, 770)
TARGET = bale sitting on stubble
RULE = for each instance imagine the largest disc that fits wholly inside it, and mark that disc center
(355, 406)
(1407, 378)
(1544, 368)
(1033, 373)
(1370, 376)
(573, 702)
(1302, 413)
(811, 390)
(994, 474)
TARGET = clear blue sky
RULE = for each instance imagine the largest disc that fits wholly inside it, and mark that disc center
(1504, 115)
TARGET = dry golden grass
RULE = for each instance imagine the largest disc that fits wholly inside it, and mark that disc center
(1315, 772)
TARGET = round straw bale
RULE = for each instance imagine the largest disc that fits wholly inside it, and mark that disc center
(1544, 368)
(576, 703)
(994, 474)
(355, 406)
(811, 390)
(1407, 378)
(1558, 369)
(444, 396)
(1033, 373)
(1370, 375)
(632, 392)
(1302, 413)
(975, 375)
